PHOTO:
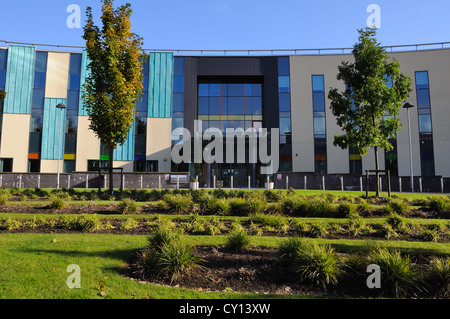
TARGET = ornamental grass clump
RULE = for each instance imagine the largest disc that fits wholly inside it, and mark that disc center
(237, 240)
(179, 204)
(128, 206)
(437, 277)
(398, 276)
(166, 256)
(317, 263)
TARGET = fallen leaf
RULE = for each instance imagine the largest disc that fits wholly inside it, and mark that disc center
(101, 287)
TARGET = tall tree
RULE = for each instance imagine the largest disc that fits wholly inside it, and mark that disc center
(367, 109)
(115, 80)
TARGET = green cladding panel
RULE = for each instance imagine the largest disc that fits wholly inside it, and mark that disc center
(84, 74)
(160, 84)
(50, 129)
(19, 79)
(125, 152)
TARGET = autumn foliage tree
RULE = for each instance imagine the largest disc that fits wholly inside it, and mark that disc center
(115, 80)
(2, 95)
(367, 110)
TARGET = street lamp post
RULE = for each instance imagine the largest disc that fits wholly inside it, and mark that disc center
(407, 106)
(61, 107)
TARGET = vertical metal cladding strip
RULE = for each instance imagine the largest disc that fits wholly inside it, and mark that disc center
(160, 85)
(50, 129)
(125, 152)
(19, 79)
(83, 76)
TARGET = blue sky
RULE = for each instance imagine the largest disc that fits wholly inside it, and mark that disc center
(236, 24)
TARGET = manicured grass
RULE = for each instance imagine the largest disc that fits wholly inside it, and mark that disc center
(34, 265)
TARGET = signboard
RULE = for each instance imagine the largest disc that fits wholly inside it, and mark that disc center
(181, 178)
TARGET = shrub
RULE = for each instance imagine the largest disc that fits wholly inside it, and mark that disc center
(128, 206)
(318, 208)
(5, 195)
(237, 240)
(318, 229)
(293, 205)
(345, 209)
(388, 232)
(438, 276)
(356, 225)
(128, 224)
(84, 223)
(437, 204)
(178, 203)
(254, 229)
(287, 250)
(162, 236)
(9, 224)
(57, 203)
(396, 221)
(238, 206)
(317, 263)
(363, 209)
(220, 206)
(429, 235)
(398, 206)
(168, 260)
(398, 276)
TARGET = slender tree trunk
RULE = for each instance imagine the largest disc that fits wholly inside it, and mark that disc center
(111, 179)
(377, 167)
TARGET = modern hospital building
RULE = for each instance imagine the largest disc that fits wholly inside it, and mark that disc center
(279, 89)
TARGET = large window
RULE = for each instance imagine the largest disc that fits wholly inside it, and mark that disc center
(284, 108)
(425, 124)
(320, 142)
(225, 105)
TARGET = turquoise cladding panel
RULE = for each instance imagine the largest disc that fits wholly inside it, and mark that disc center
(160, 84)
(50, 129)
(19, 79)
(125, 152)
(84, 74)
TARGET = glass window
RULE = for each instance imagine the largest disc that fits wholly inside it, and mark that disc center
(248, 90)
(427, 166)
(178, 102)
(285, 126)
(224, 89)
(75, 63)
(145, 83)
(39, 80)
(40, 62)
(34, 166)
(423, 99)
(256, 105)
(69, 166)
(73, 99)
(248, 105)
(34, 144)
(224, 105)
(425, 124)
(140, 145)
(71, 124)
(178, 84)
(203, 90)
(319, 102)
(317, 83)
(214, 105)
(70, 144)
(283, 84)
(236, 124)
(256, 90)
(422, 80)
(203, 105)
(2, 78)
(3, 59)
(284, 102)
(36, 123)
(214, 124)
(74, 81)
(236, 105)
(223, 127)
(319, 126)
(214, 90)
(178, 66)
(177, 123)
(141, 125)
(178, 114)
(6, 165)
(283, 66)
(235, 89)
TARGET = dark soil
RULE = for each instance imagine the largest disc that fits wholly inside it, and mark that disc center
(254, 271)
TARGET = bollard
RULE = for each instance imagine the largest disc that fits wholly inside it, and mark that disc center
(342, 183)
(420, 184)
(231, 181)
(287, 182)
(214, 181)
(249, 186)
(442, 184)
(178, 182)
(400, 184)
(323, 182)
(304, 181)
(159, 182)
